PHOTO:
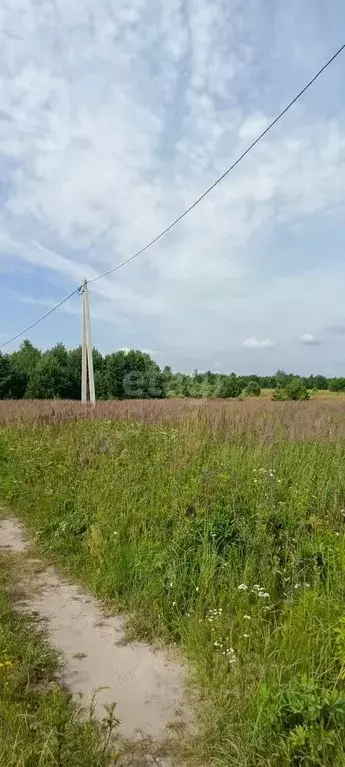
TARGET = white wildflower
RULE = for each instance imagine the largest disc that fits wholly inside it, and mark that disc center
(246, 636)
(242, 587)
(263, 594)
(247, 617)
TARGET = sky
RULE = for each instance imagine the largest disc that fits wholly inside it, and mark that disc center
(114, 117)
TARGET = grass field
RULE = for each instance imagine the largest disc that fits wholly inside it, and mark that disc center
(218, 526)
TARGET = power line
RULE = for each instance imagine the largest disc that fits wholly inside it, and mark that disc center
(47, 314)
(192, 206)
(218, 180)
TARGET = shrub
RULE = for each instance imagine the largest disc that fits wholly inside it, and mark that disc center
(295, 390)
(280, 394)
(252, 389)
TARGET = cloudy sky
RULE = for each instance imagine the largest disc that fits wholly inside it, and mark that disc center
(114, 116)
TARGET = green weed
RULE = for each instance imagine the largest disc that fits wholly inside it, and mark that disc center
(229, 544)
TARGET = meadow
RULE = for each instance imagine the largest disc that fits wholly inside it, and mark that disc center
(216, 526)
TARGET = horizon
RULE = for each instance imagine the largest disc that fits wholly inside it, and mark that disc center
(177, 371)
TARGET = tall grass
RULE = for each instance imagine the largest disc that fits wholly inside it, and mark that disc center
(224, 537)
(313, 421)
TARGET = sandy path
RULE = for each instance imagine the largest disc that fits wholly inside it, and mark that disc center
(146, 684)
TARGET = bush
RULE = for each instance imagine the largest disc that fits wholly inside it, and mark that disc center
(228, 387)
(295, 390)
(252, 389)
(280, 394)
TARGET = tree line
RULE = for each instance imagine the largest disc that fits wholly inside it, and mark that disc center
(56, 373)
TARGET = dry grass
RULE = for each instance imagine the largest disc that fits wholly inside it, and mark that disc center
(317, 420)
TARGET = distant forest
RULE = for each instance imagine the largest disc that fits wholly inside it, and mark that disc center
(56, 373)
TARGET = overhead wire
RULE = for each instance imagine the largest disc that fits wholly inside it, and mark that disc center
(223, 176)
(192, 206)
(40, 319)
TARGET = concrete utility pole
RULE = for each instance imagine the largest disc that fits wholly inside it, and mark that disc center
(86, 358)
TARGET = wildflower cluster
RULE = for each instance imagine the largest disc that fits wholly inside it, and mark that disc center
(263, 473)
(220, 643)
(257, 589)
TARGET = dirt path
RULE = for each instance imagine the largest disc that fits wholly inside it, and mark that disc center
(147, 684)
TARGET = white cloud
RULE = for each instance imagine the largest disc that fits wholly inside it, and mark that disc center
(252, 127)
(111, 123)
(256, 343)
(308, 339)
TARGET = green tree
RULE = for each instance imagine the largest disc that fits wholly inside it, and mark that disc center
(26, 358)
(5, 376)
(133, 374)
(74, 374)
(337, 384)
(59, 353)
(49, 379)
(13, 382)
(282, 378)
(185, 386)
(316, 382)
(100, 385)
(207, 389)
(228, 386)
(196, 388)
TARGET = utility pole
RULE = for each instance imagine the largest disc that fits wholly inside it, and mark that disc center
(86, 358)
